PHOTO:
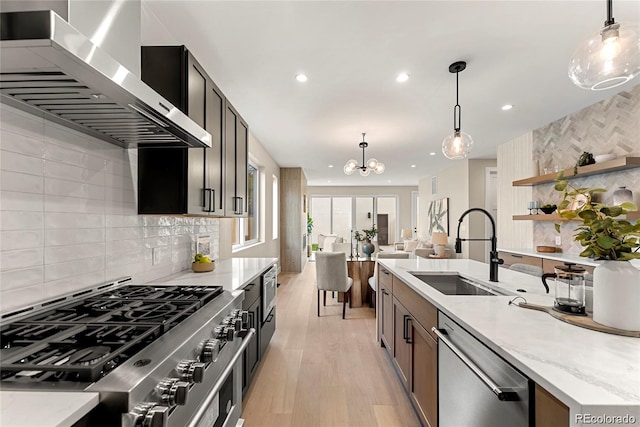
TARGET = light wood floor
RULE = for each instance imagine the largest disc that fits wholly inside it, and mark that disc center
(324, 371)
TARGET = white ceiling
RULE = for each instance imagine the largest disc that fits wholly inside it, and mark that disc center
(517, 52)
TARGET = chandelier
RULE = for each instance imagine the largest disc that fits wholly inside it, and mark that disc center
(366, 168)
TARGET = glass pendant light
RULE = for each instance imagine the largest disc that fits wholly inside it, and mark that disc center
(609, 58)
(458, 144)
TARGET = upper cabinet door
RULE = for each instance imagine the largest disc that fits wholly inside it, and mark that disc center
(214, 156)
(236, 162)
(196, 92)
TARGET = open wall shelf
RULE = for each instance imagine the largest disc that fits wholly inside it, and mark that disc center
(614, 165)
(556, 218)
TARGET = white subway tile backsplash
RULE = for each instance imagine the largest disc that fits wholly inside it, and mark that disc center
(63, 270)
(15, 162)
(22, 123)
(21, 258)
(59, 187)
(82, 159)
(62, 237)
(18, 201)
(55, 220)
(21, 144)
(21, 239)
(17, 220)
(13, 299)
(123, 233)
(54, 203)
(73, 173)
(69, 215)
(25, 183)
(124, 246)
(69, 285)
(56, 254)
(11, 279)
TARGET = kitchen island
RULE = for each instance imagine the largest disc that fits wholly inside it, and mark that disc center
(590, 372)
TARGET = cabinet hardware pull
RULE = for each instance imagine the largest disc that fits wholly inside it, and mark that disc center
(238, 206)
(405, 329)
(384, 291)
(208, 202)
(269, 318)
(212, 200)
(502, 393)
(517, 256)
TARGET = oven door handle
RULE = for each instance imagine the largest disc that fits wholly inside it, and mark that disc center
(502, 393)
(221, 379)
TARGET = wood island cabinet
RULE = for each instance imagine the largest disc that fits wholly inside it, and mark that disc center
(192, 181)
(405, 322)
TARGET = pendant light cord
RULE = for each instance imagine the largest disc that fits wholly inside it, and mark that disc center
(457, 110)
(610, 20)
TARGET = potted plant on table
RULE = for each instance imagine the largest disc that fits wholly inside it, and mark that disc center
(616, 241)
(309, 230)
(369, 233)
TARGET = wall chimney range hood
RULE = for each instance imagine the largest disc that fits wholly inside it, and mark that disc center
(49, 68)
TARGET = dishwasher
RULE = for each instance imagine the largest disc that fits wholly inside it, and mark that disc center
(476, 387)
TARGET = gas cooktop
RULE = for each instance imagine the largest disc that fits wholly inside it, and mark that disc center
(84, 340)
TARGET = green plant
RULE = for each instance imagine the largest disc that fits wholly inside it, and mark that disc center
(358, 236)
(602, 236)
(585, 159)
(309, 223)
(370, 233)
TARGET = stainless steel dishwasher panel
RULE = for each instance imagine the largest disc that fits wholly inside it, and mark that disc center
(472, 380)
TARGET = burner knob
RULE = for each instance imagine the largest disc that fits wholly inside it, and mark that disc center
(191, 371)
(224, 332)
(243, 317)
(233, 322)
(208, 350)
(172, 391)
(149, 415)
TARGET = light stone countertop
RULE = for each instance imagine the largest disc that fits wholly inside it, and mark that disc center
(44, 409)
(591, 372)
(232, 274)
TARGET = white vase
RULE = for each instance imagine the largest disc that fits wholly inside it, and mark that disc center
(616, 295)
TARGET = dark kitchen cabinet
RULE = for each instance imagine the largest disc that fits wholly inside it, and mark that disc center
(181, 180)
(267, 329)
(236, 163)
(253, 305)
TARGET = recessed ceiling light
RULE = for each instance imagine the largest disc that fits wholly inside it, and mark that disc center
(507, 107)
(413, 166)
(329, 181)
(302, 77)
(402, 77)
(389, 181)
(432, 154)
(330, 166)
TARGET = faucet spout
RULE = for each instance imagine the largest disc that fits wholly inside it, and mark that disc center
(494, 260)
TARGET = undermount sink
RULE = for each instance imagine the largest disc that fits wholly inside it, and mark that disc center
(453, 284)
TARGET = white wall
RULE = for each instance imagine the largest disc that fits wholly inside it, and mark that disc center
(267, 247)
(514, 162)
(463, 184)
(69, 215)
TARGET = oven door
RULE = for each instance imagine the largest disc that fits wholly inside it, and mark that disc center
(223, 404)
(269, 285)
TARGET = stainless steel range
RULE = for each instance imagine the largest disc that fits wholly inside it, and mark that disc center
(158, 355)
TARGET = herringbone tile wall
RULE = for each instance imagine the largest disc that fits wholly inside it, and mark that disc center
(610, 126)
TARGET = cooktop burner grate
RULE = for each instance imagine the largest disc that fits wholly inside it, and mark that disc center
(79, 353)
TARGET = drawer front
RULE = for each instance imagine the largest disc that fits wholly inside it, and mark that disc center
(423, 311)
(251, 293)
(510, 259)
(384, 277)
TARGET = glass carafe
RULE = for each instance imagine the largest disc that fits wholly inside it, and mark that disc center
(569, 289)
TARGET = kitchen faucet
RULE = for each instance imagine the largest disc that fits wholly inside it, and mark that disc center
(494, 261)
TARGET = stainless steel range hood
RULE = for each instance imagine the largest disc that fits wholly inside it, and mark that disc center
(50, 67)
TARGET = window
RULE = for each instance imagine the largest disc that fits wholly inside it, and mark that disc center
(246, 230)
(275, 207)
